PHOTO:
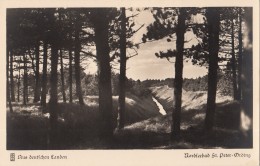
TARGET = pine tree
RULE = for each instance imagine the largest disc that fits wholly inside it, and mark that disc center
(12, 76)
(213, 19)
(37, 74)
(122, 76)
(7, 82)
(78, 27)
(176, 115)
(44, 75)
(100, 22)
(62, 78)
(25, 81)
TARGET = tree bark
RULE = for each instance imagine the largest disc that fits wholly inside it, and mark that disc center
(104, 71)
(176, 115)
(247, 76)
(122, 76)
(213, 18)
(44, 76)
(37, 74)
(77, 62)
(70, 73)
(240, 56)
(7, 83)
(12, 76)
(53, 103)
(234, 70)
(25, 81)
(18, 83)
(62, 77)
(53, 82)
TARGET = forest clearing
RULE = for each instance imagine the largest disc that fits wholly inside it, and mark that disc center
(146, 128)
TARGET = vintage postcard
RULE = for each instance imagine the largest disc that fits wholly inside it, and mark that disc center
(129, 83)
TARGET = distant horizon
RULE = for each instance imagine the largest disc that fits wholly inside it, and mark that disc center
(146, 65)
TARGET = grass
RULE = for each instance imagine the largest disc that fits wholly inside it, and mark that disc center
(78, 126)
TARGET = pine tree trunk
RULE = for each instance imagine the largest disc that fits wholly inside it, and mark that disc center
(247, 122)
(25, 81)
(122, 76)
(7, 83)
(176, 115)
(77, 62)
(18, 84)
(240, 57)
(70, 73)
(213, 18)
(62, 77)
(12, 76)
(44, 76)
(104, 72)
(37, 75)
(7, 74)
(53, 103)
(234, 70)
(53, 82)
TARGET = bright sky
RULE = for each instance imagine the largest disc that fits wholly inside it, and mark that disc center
(146, 65)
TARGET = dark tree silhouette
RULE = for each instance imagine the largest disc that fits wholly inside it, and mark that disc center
(240, 56)
(62, 78)
(70, 72)
(12, 75)
(213, 19)
(158, 30)
(53, 103)
(18, 80)
(247, 75)
(233, 61)
(78, 27)
(100, 22)
(44, 75)
(37, 74)
(7, 82)
(25, 81)
(176, 116)
(122, 76)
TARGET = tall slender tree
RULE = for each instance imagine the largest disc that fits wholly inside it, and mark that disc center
(240, 55)
(44, 75)
(122, 76)
(18, 80)
(166, 25)
(213, 19)
(70, 72)
(62, 77)
(25, 81)
(78, 27)
(176, 116)
(7, 82)
(53, 103)
(247, 73)
(12, 75)
(233, 61)
(100, 22)
(37, 73)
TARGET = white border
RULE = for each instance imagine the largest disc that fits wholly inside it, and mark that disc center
(130, 157)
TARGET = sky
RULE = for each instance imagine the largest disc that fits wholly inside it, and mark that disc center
(146, 65)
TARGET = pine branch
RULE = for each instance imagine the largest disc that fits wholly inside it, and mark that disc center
(132, 16)
(168, 59)
(137, 44)
(88, 54)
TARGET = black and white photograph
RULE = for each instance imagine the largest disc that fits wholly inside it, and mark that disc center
(130, 78)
